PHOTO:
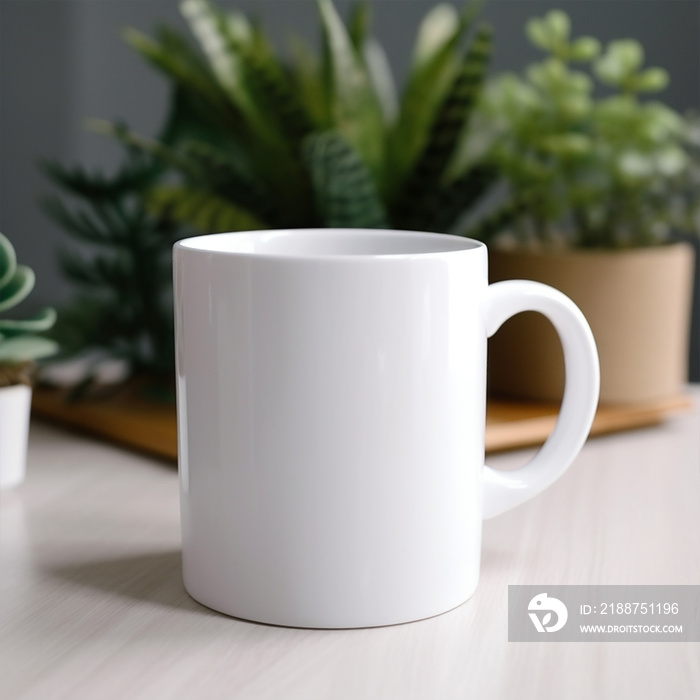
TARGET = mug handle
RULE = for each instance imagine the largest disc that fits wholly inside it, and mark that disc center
(505, 490)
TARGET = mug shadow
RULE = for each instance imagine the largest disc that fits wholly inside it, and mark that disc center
(156, 578)
(152, 577)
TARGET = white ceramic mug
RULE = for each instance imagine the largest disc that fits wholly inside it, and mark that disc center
(331, 397)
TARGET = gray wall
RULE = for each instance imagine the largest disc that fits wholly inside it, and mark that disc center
(62, 61)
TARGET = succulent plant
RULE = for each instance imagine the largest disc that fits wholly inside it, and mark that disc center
(19, 343)
(596, 170)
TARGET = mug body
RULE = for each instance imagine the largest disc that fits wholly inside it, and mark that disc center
(331, 399)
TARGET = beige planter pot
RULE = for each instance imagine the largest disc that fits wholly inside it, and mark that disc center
(638, 303)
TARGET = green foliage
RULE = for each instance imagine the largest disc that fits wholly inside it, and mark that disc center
(123, 273)
(425, 188)
(345, 192)
(202, 209)
(680, 193)
(323, 139)
(353, 104)
(256, 141)
(588, 165)
(19, 342)
(436, 59)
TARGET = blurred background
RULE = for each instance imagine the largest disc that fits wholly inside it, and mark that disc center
(63, 61)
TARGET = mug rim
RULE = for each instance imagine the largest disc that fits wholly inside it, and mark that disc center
(211, 243)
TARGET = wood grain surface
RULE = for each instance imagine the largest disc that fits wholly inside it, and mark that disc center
(126, 418)
(92, 603)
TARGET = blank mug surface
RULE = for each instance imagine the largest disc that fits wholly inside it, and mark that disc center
(331, 400)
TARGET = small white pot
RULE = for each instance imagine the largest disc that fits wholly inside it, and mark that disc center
(15, 406)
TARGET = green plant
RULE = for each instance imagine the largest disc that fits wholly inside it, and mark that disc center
(596, 169)
(322, 140)
(256, 141)
(682, 192)
(123, 270)
(20, 345)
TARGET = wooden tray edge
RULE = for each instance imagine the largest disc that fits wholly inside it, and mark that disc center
(152, 428)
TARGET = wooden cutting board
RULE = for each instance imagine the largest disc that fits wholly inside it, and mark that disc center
(151, 427)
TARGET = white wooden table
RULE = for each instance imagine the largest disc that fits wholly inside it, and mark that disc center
(92, 604)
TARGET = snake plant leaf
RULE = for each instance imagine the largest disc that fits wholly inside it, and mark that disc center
(203, 165)
(435, 64)
(41, 322)
(359, 24)
(223, 176)
(375, 60)
(382, 79)
(307, 75)
(446, 204)
(188, 118)
(221, 36)
(174, 42)
(346, 196)
(445, 135)
(8, 260)
(17, 288)
(188, 121)
(354, 106)
(175, 64)
(438, 28)
(201, 79)
(204, 211)
(199, 101)
(274, 91)
(25, 348)
(211, 29)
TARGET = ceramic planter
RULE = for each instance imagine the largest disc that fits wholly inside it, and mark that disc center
(638, 303)
(15, 405)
